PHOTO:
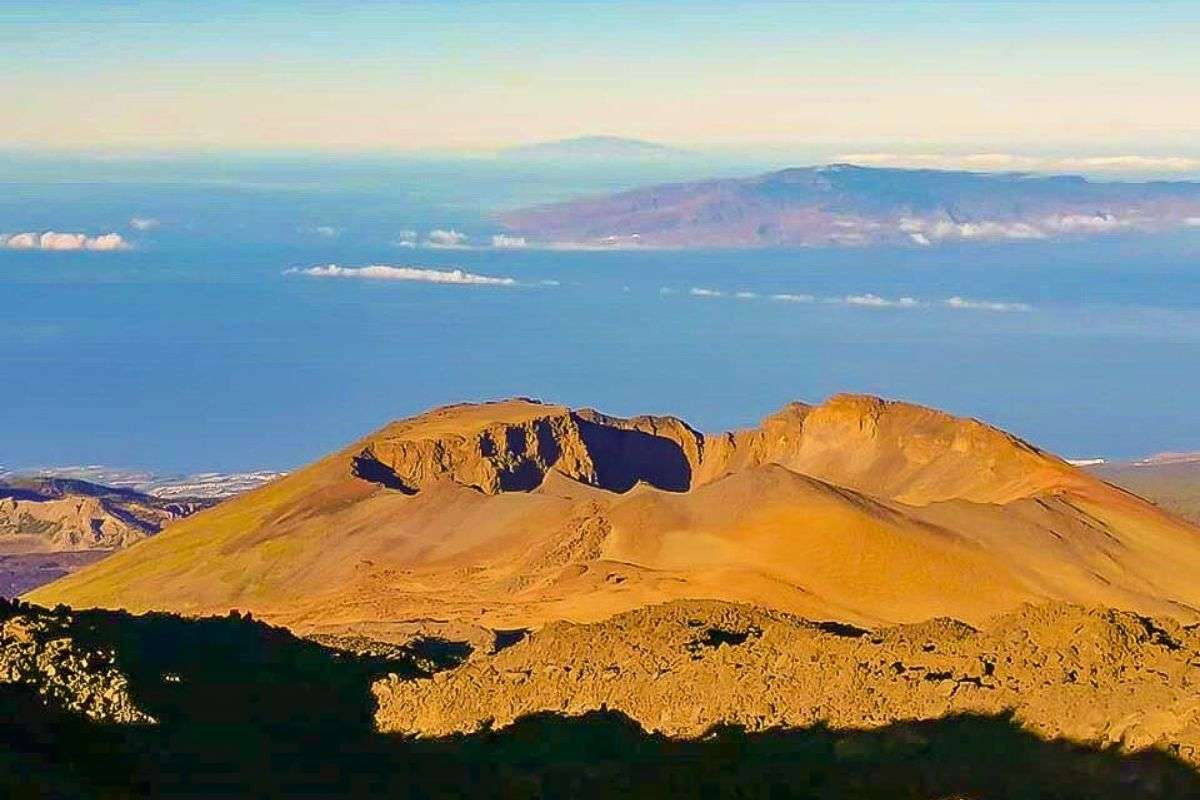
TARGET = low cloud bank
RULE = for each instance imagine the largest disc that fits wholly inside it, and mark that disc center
(448, 239)
(864, 300)
(985, 305)
(1015, 161)
(929, 231)
(52, 240)
(875, 301)
(506, 242)
(381, 272)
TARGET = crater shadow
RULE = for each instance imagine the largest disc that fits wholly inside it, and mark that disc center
(368, 468)
(624, 457)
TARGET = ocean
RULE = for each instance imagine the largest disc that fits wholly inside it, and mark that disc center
(207, 345)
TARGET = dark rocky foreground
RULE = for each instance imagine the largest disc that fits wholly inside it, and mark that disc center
(242, 709)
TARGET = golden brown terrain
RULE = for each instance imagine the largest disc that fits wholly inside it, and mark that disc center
(841, 573)
(1107, 678)
(514, 514)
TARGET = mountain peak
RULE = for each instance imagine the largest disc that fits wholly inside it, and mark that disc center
(594, 146)
(888, 448)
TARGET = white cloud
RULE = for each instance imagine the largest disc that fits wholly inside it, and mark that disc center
(985, 305)
(327, 231)
(52, 240)
(62, 241)
(143, 223)
(107, 241)
(987, 161)
(998, 230)
(1135, 163)
(505, 241)
(926, 231)
(419, 274)
(19, 241)
(1015, 161)
(1193, 222)
(875, 301)
(1086, 223)
(863, 300)
(445, 239)
(549, 283)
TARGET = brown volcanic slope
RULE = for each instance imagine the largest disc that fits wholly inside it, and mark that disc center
(518, 513)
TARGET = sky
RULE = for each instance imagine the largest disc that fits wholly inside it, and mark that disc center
(1101, 76)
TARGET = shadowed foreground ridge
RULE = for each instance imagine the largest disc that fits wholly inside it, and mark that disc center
(248, 710)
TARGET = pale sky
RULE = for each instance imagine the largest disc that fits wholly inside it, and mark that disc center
(476, 75)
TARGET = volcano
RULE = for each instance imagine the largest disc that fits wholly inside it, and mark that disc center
(513, 514)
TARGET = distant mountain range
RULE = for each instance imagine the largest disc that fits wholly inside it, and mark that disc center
(1169, 480)
(59, 520)
(592, 147)
(847, 205)
(202, 485)
(58, 514)
(51, 526)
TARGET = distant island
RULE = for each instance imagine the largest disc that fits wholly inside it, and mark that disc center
(592, 147)
(848, 205)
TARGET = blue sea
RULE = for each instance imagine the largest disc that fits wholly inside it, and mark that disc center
(197, 350)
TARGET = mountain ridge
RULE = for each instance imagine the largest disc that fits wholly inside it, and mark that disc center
(42, 514)
(516, 513)
(849, 205)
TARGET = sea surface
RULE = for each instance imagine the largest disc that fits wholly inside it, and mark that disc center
(198, 350)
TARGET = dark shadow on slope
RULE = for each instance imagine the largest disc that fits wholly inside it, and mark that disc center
(247, 710)
(842, 629)
(624, 457)
(508, 637)
(368, 468)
